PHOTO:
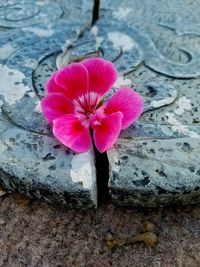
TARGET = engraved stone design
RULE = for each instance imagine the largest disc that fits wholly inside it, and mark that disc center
(83, 48)
(31, 160)
(21, 105)
(155, 161)
(163, 96)
(130, 46)
(163, 160)
(16, 14)
(181, 26)
(80, 13)
(102, 40)
(168, 55)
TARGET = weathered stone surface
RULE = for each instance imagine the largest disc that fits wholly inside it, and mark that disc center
(154, 46)
(31, 161)
(156, 161)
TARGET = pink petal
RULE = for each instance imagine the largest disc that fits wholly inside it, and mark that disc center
(74, 78)
(128, 102)
(102, 74)
(105, 134)
(52, 86)
(70, 131)
(55, 105)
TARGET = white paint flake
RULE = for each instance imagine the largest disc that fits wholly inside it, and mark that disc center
(114, 159)
(183, 104)
(98, 39)
(94, 30)
(31, 63)
(6, 50)
(38, 106)
(3, 148)
(121, 13)
(66, 45)
(122, 81)
(39, 32)
(83, 170)
(161, 103)
(121, 40)
(165, 101)
(178, 127)
(64, 57)
(41, 3)
(11, 84)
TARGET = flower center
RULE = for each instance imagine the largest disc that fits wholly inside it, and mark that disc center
(96, 118)
(86, 104)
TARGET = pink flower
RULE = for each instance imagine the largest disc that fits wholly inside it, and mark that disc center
(74, 107)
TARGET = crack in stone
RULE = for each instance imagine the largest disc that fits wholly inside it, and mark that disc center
(101, 159)
(96, 9)
(102, 176)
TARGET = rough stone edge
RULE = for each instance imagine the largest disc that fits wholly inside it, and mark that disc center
(139, 198)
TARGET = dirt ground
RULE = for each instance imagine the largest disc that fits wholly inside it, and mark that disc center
(34, 233)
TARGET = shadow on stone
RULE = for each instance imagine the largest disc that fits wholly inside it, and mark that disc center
(102, 172)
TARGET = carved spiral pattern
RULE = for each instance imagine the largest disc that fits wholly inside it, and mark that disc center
(15, 14)
(28, 55)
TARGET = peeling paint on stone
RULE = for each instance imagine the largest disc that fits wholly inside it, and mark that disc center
(163, 94)
(38, 106)
(183, 104)
(94, 30)
(6, 50)
(177, 126)
(121, 40)
(98, 39)
(39, 32)
(41, 3)
(31, 63)
(3, 147)
(163, 102)
(114, 159)
(122, 81)
(122, 13)
(11, 84)
(83, 171)
(63, 58)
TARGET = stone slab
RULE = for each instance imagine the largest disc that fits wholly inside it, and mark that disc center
(155, 47)
(31, 160)
(156, 161)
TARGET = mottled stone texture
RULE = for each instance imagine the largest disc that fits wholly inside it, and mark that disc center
(154, 172)
(31, 161)
(155, 47)
(156, 161)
